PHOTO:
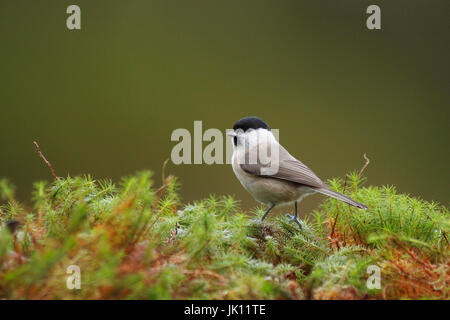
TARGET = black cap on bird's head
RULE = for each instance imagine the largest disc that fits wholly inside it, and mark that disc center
(250, 123)
(246, 124)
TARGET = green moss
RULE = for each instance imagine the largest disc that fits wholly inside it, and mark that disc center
(137, 241)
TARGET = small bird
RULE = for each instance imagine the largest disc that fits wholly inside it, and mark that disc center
(273, 179)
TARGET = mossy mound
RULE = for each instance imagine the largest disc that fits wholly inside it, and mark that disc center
(134, 241)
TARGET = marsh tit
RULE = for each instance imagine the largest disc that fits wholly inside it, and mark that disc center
(269, 173)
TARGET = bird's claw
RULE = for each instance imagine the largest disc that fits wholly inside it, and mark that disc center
(295, 219)
(256, 221)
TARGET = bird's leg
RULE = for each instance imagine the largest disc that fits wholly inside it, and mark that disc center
(295, 216)
(266, 213)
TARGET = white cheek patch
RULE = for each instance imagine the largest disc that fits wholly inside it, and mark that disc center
(261, 150)
(269, 156)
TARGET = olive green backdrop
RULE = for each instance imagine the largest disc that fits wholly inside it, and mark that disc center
(104, 100)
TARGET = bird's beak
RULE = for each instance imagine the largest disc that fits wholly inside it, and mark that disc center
(231, 134)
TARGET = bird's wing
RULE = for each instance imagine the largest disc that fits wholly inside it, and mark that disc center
(290, 169)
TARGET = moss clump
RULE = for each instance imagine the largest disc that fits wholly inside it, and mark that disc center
(135, 241)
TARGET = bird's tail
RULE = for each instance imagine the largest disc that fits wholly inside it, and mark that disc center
(339, 196)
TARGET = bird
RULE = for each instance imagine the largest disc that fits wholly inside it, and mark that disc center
(270, 173)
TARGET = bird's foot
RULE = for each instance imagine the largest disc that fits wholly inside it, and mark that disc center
(256, 221)
(295, 219)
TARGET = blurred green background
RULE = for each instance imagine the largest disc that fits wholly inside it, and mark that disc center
(104, 100)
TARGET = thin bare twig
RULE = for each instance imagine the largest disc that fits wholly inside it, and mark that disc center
(364, 166)
(334, 224)
(159, 193)
(345, 183)
(165, 181)
(445, 236)
(163, 172)
(36, 146)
